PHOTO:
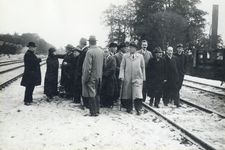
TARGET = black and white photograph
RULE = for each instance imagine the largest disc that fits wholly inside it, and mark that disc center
(112, 75)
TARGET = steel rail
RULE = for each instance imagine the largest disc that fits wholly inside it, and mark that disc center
(183, 130)
(222, 88)
(204, 90)
(8, 70)
(13, 79)
(15, 62)
(10, 61)
(201, 108)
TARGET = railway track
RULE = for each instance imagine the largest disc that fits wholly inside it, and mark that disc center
(9, 81)
(179, 119)
(14, 68)
(10, 63)
(216, 90)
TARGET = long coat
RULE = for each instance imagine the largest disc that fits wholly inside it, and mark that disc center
(109, 83)
(155, 75)
(67, 73)
(32, 72)
(172, 75)
(51, 76)
(92, 71)
(132, 70)
(118, 56)
(182, 67)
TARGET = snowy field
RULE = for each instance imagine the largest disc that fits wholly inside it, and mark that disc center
(61, 124)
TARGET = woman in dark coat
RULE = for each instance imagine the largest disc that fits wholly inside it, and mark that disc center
(51, 75)
(32, 73)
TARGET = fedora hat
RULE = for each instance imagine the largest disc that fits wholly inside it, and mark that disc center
(70, 47)
(83, 40)
(31, 44)
(158, 50)
(133, 44)
(92, 38)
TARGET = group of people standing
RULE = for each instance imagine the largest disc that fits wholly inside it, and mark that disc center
(95, 76)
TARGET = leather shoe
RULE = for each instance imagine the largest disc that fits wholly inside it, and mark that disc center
(179, 105)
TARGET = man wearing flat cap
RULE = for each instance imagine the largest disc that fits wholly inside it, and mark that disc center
(156, 75)
(67, 72)
(147, 56)
(132, 74)
(78, 73)
(32, 73)
(92, 75)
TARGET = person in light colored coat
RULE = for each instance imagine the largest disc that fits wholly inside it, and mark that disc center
(132, 74)
(147, 56)
(92, 75)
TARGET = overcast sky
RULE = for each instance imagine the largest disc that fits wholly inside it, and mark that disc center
(61, 22)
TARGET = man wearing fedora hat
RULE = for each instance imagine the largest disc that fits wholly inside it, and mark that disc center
(92, 75)
(147, 56)
(132, 74)
(32, 73)
(155, 76)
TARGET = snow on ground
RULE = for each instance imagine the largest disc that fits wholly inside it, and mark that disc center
(61, 124)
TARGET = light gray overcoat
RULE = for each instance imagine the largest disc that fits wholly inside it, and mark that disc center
(132, 71)
(92, 71)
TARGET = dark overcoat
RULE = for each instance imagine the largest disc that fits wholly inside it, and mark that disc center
(109, 83)
(32, 72)
(118, 56)
(51, 75)
(172, 75)
(182, 67)
(68, 70)
(155, 75)
(79, 65)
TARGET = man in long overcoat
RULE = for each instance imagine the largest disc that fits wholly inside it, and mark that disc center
(132, 74)
(32, 73)
(78, 72)
(92, 75)
(119, 56)
(147, 56)
(109, 83)
(68, 70)
(171, 86)
(155, 76)
(182, 63)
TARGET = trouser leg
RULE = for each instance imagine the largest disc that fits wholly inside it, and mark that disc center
(128, 105)
(158, 96)
(138, 104)
(144, 91)
(97, 101)
(92, 105)
(166, 96)
(85, 101)
(28, 98)
(176, 98)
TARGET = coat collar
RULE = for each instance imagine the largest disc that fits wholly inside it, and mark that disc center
(131, 56)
